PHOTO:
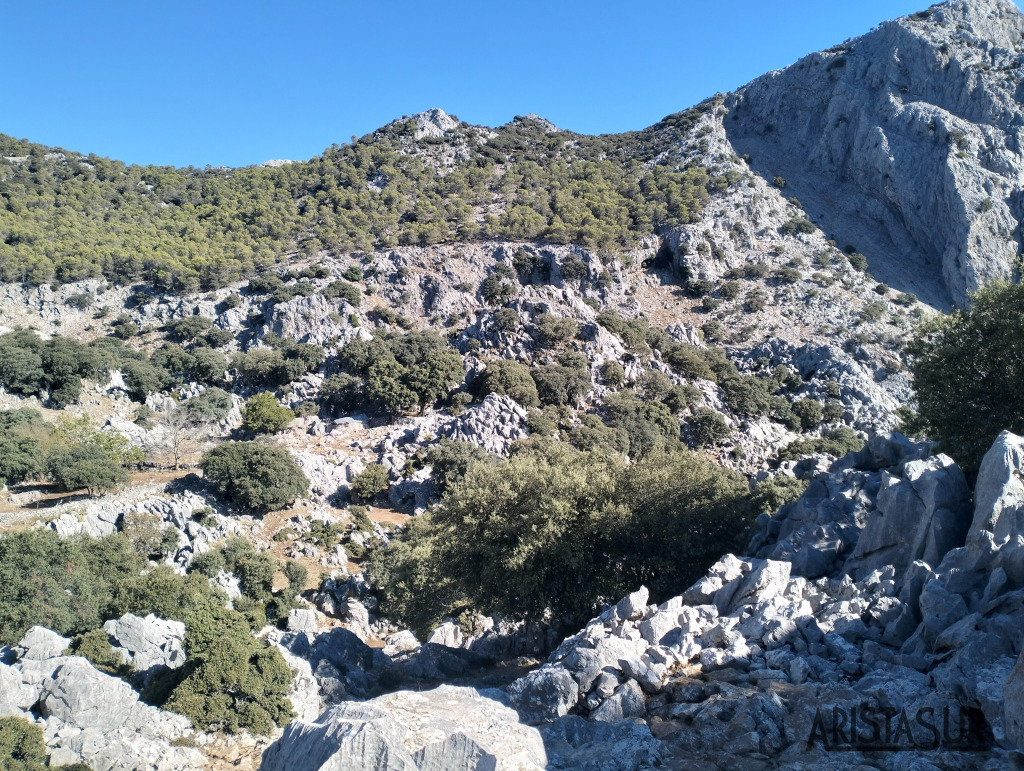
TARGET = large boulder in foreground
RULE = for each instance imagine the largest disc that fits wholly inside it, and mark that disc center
(999, 491)
(447, 729)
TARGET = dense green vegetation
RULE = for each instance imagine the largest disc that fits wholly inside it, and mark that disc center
(561, 529)
(31, 366)
(968, 369)
(261, 477)
(231, 680)
(21, 745)
(72, 452)
(263, 414)
(393, 373)
(66, 216)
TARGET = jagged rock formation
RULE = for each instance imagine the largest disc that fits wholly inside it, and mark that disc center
(455, 729)
(740, 662)
(149, 644)
(88, 716)
(904, 142)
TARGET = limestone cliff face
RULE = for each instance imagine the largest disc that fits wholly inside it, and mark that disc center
(907, 143)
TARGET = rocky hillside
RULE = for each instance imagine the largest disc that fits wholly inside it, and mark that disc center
(904, 142)
(327, 464)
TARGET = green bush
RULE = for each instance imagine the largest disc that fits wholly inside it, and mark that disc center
(560, 385)
(681, 398)
(495, 291)
(216, 338)
(230, 302)
(553, 331)
(774, 493)
(838, 442)
(95, 646)
(398, 373)
(649, 425)
(968, 369)
(594, 434)
(748, 395)
(64, 584)
(613, 373)
(187, 329)
(143, 379)
(21, 745)
(342, 393)
(353, 273)
(348, 292)
(231, 683)
(210, 406)
(124, 328)
(633, 334)
(708, 428)
(797, 225)
(506, 319)
(256, 476)
(283, 362)
(370, 481)
(262, 414)
(540, 423)
(832, 412)
(874, 311)
(809, 412)
(87, 465)
(557, 530)
(450, 460)
(208, 366)
(787, 275)
(858, 261)
(507, 378)
(21, 453)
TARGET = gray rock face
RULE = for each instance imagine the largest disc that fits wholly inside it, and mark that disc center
(882, 506)
(999, 491)
(98, 719)
(79, 694)
(544, 695)
(40, 643)
(572, 742)
(903, 142)
(921, 515)
(16, 696)
(150, 643)
(1013, 705)
(447, 729)
(311, 320)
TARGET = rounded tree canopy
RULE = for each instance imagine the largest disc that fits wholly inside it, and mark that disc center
(254, 475)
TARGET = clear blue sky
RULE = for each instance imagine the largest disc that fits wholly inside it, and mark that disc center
(233, 83)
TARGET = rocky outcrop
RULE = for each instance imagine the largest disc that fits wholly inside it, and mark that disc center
(90, 717)
(1013, 704)
(903, 142)
(869, 394)
(999, 490)
(151, 645)
(449, 728)
(739, 665)
(314, 319)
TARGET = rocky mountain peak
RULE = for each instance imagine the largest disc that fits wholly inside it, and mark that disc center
(434, 123)
(904, 144)
(997, 20)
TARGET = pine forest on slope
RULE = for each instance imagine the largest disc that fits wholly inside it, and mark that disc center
(67, 217)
